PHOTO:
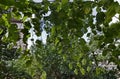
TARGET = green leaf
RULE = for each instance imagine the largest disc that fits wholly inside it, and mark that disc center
(70, 66)
(59, 7)
(53, 31)
(64, 57)
(82, 71)
(1, 30)
(110, 12)
(64, 1)
(76, 71)
(7, 24)
(84, 61)
(78, 64)
(87, 10)
(43, 76)
(60, 51)
(88, 68)
(87, 7)
(80, 55)
(98, 70)
(56, 41)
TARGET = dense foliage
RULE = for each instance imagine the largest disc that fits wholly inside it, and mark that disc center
(82, 43)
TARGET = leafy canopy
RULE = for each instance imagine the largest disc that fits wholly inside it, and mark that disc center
(67, 53)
